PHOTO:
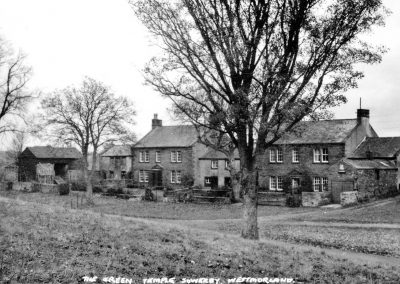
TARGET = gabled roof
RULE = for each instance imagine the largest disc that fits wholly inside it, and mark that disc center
(118, 151)
(316, 132)
(377, 164)
(49, 152)
(380, 147)
(169, 136)
(212, 154)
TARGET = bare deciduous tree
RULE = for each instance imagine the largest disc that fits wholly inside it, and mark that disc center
(90, 117)
(14, 76)
(257, 67)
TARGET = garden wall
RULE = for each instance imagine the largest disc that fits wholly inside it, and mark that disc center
(315, 199)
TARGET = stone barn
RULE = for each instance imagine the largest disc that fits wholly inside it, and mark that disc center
(65, 163)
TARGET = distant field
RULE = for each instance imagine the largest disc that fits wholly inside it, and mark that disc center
(52, 244)
(159, 210)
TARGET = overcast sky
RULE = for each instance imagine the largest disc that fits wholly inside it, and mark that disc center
(66, 40)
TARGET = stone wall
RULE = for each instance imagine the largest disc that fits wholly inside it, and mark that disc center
(348, 198)
(368, 182)
(315, 199)
(23, 186)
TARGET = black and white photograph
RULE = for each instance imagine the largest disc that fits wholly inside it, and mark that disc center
(199, 141)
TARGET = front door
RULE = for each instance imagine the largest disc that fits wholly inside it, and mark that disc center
(157, 178)
(295, 184)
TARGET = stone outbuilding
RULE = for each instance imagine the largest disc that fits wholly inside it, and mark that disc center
(62, 162)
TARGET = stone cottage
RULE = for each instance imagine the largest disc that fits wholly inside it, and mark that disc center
(64, 163)
(116, 162)
(168, 156)
(214, 171)
(302, 159)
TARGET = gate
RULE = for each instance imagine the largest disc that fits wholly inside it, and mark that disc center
(338, 187)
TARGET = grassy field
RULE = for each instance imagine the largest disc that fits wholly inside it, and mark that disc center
(386, 213)
(51, 244)
(159, 210)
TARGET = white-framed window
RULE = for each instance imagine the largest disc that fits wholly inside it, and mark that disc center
(158, 156)
(272, 183)
(317, 183)
(317, 156)
(321, 155)
(325, 183)
(226, 164)
(176, 157)
(325, 155)
(276, 183)
(144, 157)
(295, 156)
(279, 183)
(272, 156)
(279, 156)
(175, 176)
(143, 176)
(214, 164)
(207, 180)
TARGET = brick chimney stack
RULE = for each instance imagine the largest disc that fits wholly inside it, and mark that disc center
(155, 122)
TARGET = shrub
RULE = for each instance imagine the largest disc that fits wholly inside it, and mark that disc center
(78, 186)
(97, 189)
(63, 189)
(114, 191)
(293, 200)
(187, 180)
(148, 195)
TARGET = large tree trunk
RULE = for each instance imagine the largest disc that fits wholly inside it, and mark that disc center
(89, 180)
(249, 187)
(236, 187)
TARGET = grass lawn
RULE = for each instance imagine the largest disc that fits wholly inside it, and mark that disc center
(384, 213)
(159, 210)
(53, 244)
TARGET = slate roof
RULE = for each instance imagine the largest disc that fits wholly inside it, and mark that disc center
(380, 147)
(323, 131)
(378, 164)
(169, 137)
(118, 151)
(212, 154)
(49, 152)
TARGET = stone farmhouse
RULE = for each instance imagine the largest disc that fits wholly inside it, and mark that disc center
(330, 156)
(168, 156)
(45, 163)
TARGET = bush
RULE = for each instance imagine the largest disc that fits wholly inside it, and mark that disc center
(293, 200)
(63, 189)
(114, 191)
(187, 180)
(78, 186)
(148, 195)
(224, 188)
(97, 189)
